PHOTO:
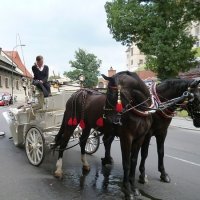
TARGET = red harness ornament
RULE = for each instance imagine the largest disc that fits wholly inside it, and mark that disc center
(99, 122)
(119, 107)
(70, 121)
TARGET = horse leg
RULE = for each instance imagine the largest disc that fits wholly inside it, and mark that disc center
(160, 139)
(83, 141)
(59, 172)
(144, 153)
(125, 143)
(68, 131)
(134, 157)
(58, 137)
(107, 140)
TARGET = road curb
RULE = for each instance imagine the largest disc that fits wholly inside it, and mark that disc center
(191, 129)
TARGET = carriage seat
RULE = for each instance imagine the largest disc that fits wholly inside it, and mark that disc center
(35, 90)
(37, 96)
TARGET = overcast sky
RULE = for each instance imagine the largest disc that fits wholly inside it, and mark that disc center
(56, 28)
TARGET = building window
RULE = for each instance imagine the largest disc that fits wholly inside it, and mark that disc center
(197, 44)
(132, 51)
(6, 82)
(17, 84)
(141, 62)
(101, 85)
(131, 62)
(0, 82)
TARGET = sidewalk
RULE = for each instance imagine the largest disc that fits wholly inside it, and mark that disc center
(16, 104)
(185, 123)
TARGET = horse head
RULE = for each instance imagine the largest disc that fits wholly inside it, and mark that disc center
(193, 105)
(124, 89)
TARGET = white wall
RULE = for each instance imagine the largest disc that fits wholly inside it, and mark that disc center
(16, 92)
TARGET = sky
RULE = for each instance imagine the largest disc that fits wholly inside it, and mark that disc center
(56, 29)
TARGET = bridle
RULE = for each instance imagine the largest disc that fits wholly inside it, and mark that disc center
(163, 108)
(127, 108)
(188, 103)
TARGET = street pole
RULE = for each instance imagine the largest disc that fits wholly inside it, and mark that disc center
(20, 45)
(81, 79)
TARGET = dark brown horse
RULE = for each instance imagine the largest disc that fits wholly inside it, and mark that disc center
(164, 91)
(87, 107)
(167, 90)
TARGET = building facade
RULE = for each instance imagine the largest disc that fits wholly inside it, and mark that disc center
(11, 75)
(135, 58)
(195, 31)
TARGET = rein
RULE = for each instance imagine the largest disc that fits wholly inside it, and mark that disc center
(156, 105)
(163, 107)
(166, 113)
(67, 148)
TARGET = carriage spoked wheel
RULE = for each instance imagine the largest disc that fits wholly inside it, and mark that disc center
(34, 146)
(93, 143)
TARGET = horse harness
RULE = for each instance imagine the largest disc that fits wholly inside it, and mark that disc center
(162, 108)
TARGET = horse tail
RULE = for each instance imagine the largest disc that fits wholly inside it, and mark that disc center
(71, 112)
(58, 137)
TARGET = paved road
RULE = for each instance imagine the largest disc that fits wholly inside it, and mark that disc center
(21, 181)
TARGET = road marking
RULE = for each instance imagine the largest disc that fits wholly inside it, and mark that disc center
(180, 159)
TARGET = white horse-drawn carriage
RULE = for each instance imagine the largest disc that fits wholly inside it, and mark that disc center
(35, 125)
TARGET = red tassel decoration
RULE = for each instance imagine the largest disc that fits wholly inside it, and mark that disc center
(119, 106)
(82, 124)
(70, 121)
(75, 123)
(99, 122)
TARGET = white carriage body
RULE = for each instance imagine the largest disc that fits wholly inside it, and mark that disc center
(35, 125)
(46, 115)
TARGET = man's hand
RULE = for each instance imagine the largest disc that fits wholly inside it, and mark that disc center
(41, 81)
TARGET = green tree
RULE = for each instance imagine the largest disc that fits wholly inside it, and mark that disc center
(86, 64)
(160, 30)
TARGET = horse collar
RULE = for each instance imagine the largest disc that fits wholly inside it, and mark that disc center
(166, 113)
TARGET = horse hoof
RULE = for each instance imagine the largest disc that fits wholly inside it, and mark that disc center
(107, 161)
(86, 168)
(58, 174)
(136, 192)
(165, 178)
(143, 179)
(130, 197)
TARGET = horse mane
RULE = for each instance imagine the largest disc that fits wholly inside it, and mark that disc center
(177, 84)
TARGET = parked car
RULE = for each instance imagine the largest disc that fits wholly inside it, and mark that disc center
(5, 99)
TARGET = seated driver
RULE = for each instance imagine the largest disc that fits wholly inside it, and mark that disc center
(41, 75)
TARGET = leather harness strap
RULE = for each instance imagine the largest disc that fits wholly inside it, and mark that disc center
(166, 113)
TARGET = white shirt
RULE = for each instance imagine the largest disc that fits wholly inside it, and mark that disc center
(40, 68)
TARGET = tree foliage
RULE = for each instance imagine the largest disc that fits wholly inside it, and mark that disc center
(86, 64)
(160, 30)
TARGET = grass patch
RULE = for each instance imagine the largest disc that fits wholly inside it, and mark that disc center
(182, 113)
(198, 52)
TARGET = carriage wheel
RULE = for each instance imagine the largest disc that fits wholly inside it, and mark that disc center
(34, 145)
(92, 144)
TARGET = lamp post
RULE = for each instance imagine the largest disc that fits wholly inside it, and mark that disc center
(81, 79)
(20, 45)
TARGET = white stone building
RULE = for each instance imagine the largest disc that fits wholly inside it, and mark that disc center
(135, 58)
(195, 31)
